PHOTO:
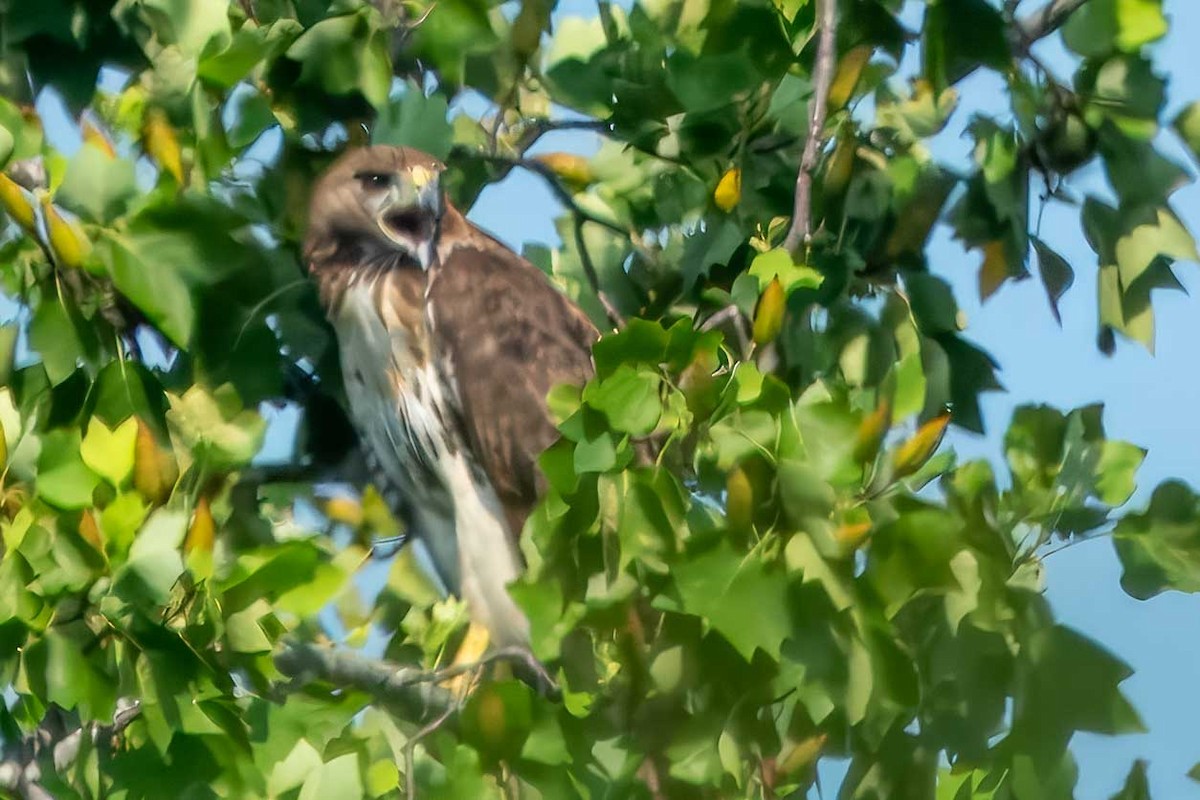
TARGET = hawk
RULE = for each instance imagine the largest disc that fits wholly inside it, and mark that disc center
(449, 344)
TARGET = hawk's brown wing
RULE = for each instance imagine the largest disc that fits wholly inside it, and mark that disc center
(504, 336)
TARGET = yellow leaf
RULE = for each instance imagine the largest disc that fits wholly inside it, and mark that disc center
(841, 163)
(162, 144)
(768, 316)
(871, 432)
(3, 448)
(154, 468)
(18, 203)
(911, 455)
(345, 510)
(68, 242)
(739, 500)
(699, 386)
(802, 754)
(95, 137)
(729, 189)
(994, 270)
(852, 534)
(574, 170)
(849, 70)
(90, 531)
(376, 514)
(203, 530)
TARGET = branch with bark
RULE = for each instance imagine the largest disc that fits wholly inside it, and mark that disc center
(21, 767)
(800, 232)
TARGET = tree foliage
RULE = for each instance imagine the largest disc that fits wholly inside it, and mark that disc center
(801, 578)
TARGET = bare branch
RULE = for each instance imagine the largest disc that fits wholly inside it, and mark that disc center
(1047, 19)
(800, 231)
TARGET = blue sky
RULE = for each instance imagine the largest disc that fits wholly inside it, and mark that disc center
(1150, 400)
(1153, 401)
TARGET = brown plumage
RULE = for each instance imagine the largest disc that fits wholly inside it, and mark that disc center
(450, 343)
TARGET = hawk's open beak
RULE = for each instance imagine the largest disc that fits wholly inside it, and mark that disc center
(410, 212)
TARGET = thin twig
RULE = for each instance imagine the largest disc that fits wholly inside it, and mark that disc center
(581, 215)
(589, 270)
(1047, 19)
(410, 747)
(800, 231)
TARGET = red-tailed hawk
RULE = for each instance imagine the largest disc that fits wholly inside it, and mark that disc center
(449, 344)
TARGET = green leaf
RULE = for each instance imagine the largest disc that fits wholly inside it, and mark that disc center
(219, 431)
(414, 120)
(1100, 26)
(1187, 125)
(1071, 684)
(1159, 548)
(779, 263)
(98, 187)
(61, 337)
(63, 479)
(1057, 275)
(742, 597)
(1150, 234)
(109, 453)
(153, 286)
(959, 36)
(338, 779)
(1137, 784)
(345, 54)
(629, 399)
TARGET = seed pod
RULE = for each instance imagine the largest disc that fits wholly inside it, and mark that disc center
(739, 500)
(203, 530)
(344, 510)
(768, 316)
(68, 242)
(871, 432)
(576, 171)
(154, 468)
(18, 203)
(729, 190)
(911, 455)
(162, 144)
(852, 534)
(90, 531)
(94, 136)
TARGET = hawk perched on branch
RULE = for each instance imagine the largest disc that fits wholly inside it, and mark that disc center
(449, 343)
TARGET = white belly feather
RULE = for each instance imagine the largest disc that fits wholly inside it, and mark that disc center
(398, 405)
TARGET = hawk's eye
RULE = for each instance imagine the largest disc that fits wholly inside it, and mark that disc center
(374, 180)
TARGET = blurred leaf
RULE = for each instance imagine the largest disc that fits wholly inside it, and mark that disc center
(414, 120)
(221, 434)
(109, 452)
(63, 479)
(1159, 548)
(1125, 25)
(1137, 785)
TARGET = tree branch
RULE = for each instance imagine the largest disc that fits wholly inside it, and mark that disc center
(20, 770)
(800, 231)
(404, 689)
(1047, 19)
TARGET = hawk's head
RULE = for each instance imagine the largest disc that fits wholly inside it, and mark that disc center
(380, 201)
